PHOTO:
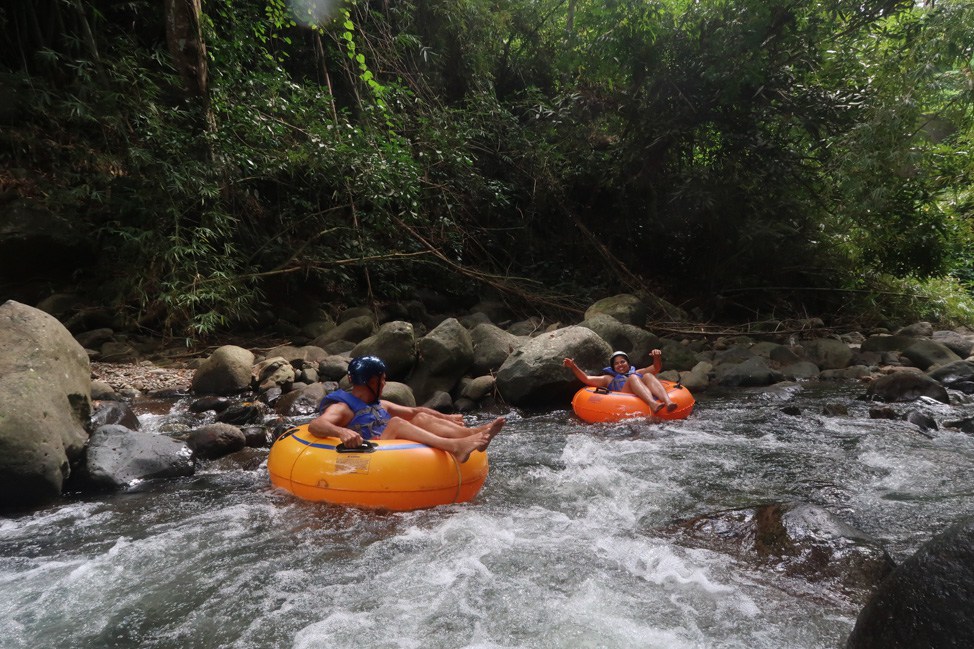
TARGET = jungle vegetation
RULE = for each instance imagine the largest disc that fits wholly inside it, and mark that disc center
(744, 159)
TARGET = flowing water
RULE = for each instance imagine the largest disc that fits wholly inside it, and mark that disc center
(564, 547)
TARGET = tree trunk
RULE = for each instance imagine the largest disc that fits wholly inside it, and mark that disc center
(184, 36)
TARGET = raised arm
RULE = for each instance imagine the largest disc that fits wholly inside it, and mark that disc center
(657, 363)
(594, 381)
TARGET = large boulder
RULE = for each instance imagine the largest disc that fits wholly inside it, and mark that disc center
(753, 372)
(960, 344)
(45, 405)
(953, 373)
(928, 353)
(629, 338)
(226, 371)
(491, 347)
(118, 457)
(355, 330)
(395, 344)
(625, 308)
(926, 601)
(828, 353)
(444, 356)
(906, 386)
(534, 375)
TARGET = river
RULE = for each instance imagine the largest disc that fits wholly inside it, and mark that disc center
(563, 547)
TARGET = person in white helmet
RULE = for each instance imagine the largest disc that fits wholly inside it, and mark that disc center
(621, 376)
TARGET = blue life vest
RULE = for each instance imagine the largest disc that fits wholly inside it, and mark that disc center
(368, 419)
(618, 380)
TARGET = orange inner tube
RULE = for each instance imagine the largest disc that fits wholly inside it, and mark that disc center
(594, 405)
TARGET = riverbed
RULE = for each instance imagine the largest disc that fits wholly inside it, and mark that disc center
(564, 547)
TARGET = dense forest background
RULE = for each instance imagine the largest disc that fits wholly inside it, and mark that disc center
(198, 160)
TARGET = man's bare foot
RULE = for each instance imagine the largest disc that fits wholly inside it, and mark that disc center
(655, 406)
(670, 407)
(493, 428)
(467, 445)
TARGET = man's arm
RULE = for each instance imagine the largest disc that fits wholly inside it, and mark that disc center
(332, 422)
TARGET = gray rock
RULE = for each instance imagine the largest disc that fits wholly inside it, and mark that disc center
(754, 372)
(828, 353)
(959, 343)
(925, 354)
(534, 374)
(399, 393)
(917, 330)
(441, 402)
(885, 343)
(395, 344)
(795, 540)
(491, 347)
(953, 373)
(273, 371)
(926, 601)
(95, 338)
(478, 388)
(226, 371)
(304, 401)
(354, 330)
(113, 412)
(625, 308)
(45, 401)
(118, 457)
(629, 338)
(444, 356)
(216, 440)
(800, 370)
(906, 386)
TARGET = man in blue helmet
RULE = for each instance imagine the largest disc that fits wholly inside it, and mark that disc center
(360, 414)
(621, 376)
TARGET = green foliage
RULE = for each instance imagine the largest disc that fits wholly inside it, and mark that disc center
(702, 147)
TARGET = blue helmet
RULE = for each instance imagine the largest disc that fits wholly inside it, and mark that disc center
(363, 368)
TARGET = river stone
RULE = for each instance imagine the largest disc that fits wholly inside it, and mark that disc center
(443, 356)
(395, 344)
(636, 342)
(828, 353)
(926, 601)
(920, 329)
(960, 344)
(754, 372)
(118, 457)
(399, 393)
(353, 330)
(886, 343)
(305, 400)
(534, 375)
(273, 371)
(927, 353)
(216, 440)
(226, 371)
(796, 540)
(800, 370)
(299, 357)
(906, 386)
(113, 412)
(491, 347)
(953, 373)
(45, 405)
(625, 308)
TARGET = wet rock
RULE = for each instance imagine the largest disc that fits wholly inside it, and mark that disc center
(395, 344)
(927, 353)
(926, 601)
(886, 343)
(965, 425)
(203, 404)
(215, 440)
(45, 401)
(256, 436)
(794, 411)
(227, 371)
(922, 421)
(796, 540)
(828, 353)
(959, 343)
(883, 412)
(754, 372)
(491, 347)
(249, 412)
(534, 374)
(113, 412)
(952, 374)
(444, 356)
(835, 410)
(102, 391)
(906, 386)
(625, 308)
(304, 401)
(117, 457)
(441, 402)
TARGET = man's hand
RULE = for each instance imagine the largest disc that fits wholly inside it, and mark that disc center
(349, 438)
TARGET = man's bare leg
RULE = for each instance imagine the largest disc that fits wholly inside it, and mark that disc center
(460, 447)
(446, 428)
